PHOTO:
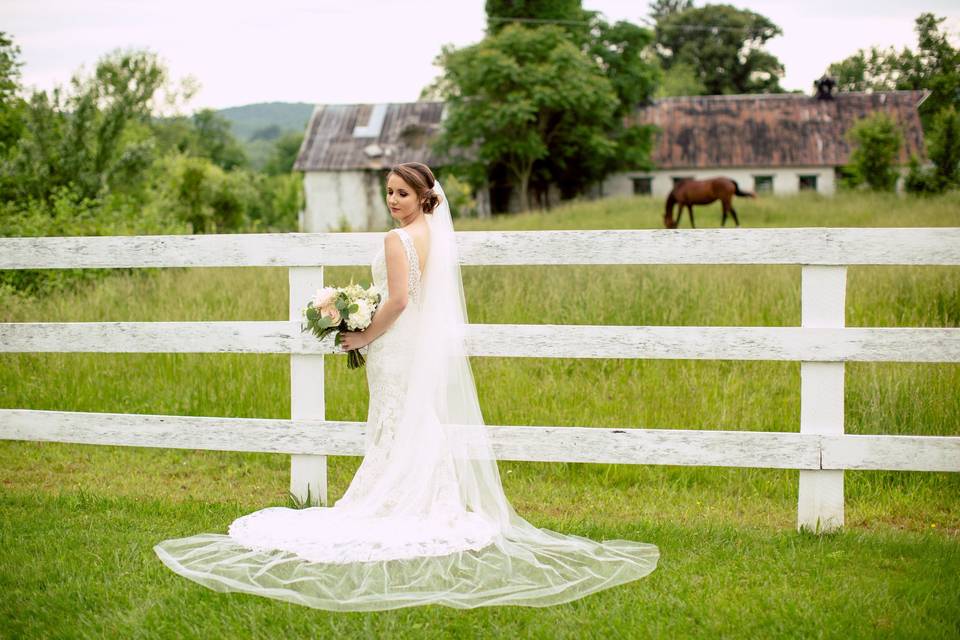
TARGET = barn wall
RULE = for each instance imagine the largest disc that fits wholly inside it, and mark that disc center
(785, 181)
(335, 199)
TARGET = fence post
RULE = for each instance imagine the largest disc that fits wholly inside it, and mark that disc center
(823, 304)
(308, 473)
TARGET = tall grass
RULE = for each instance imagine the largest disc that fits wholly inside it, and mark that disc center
(75, 516)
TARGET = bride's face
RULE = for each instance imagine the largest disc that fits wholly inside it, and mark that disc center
(401, 198)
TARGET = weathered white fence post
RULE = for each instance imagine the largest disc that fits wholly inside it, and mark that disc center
(823, 303)
(308, 473)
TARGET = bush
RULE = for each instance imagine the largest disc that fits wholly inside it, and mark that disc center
(211, 200)
(70, 214)
(877, 139)
(944, 145)
(280, 199)
(920, 180)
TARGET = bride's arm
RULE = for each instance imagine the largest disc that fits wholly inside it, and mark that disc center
(396, 260)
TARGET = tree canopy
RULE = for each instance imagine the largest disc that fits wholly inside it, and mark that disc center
(97, 157)
(934, 65)
(567, 13)
(543, 98)
(511, 101)
(722, 45)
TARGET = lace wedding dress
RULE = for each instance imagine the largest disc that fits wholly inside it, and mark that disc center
(425, 519)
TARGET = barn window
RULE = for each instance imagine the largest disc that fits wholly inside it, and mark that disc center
(763, 184)
(808, 183)
(642, 186)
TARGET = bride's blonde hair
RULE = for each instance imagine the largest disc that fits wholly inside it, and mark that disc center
(421, 180)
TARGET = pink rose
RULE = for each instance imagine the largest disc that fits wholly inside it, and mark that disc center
(324, 297)
(331, 312)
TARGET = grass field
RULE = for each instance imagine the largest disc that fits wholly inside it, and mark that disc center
(78, 522)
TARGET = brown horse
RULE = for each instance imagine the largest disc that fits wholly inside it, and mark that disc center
(690, 192)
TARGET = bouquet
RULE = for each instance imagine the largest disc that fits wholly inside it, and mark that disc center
(349, 308)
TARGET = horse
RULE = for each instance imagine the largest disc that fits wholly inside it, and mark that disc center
(690, 192)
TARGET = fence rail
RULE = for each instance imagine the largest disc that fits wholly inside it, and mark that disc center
(758, 449)
(797, 246)
(893, 344)
(821, 451)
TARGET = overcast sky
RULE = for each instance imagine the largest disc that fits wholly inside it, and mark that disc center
(355, 51)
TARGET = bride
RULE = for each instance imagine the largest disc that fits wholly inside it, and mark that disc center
(425, 519)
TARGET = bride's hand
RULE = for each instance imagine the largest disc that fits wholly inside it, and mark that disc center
(350, 340)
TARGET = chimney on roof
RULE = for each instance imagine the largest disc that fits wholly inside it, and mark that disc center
(825, 86)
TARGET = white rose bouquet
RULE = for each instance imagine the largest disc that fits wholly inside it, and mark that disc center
(349, 308)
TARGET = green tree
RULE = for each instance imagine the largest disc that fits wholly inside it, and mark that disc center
(944, 147)
(96, 137)
(934, 65)
(512, 103)
(619, 49)
(660, 9)
(680, 79)
(285, 151)
(566, 13)
(877, 140)
(200, 193)
(867, 70)
(205, 134)
(724, 46)
(919, 179)
(11, 104)
(618, 53)
(213, 139)
(174, 134)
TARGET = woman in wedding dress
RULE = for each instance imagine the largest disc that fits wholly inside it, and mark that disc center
(425, 519)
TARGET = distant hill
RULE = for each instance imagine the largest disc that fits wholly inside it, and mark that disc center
(267, 120)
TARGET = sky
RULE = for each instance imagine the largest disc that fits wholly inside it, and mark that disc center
(360, 51)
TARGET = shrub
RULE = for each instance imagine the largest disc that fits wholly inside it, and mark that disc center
(70, 214)
(877, 139)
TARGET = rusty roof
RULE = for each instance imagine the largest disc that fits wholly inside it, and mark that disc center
(758, 130)
(778, 130)
(369, 136)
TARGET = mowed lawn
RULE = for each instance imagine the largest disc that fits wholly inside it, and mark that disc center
(78, 522)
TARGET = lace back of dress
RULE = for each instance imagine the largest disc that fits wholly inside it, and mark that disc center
(413, 266)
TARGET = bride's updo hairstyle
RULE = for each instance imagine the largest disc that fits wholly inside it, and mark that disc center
(420, 178)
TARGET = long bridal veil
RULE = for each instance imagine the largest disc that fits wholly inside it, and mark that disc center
(520, 565)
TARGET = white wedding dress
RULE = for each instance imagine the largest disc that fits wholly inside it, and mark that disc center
(424, 520)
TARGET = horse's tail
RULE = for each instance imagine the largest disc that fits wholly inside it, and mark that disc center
(741, 193)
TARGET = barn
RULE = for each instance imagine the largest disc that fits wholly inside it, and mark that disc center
(346, 152)
(770, 143)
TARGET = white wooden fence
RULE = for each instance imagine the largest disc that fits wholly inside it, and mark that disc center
(821, 450)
